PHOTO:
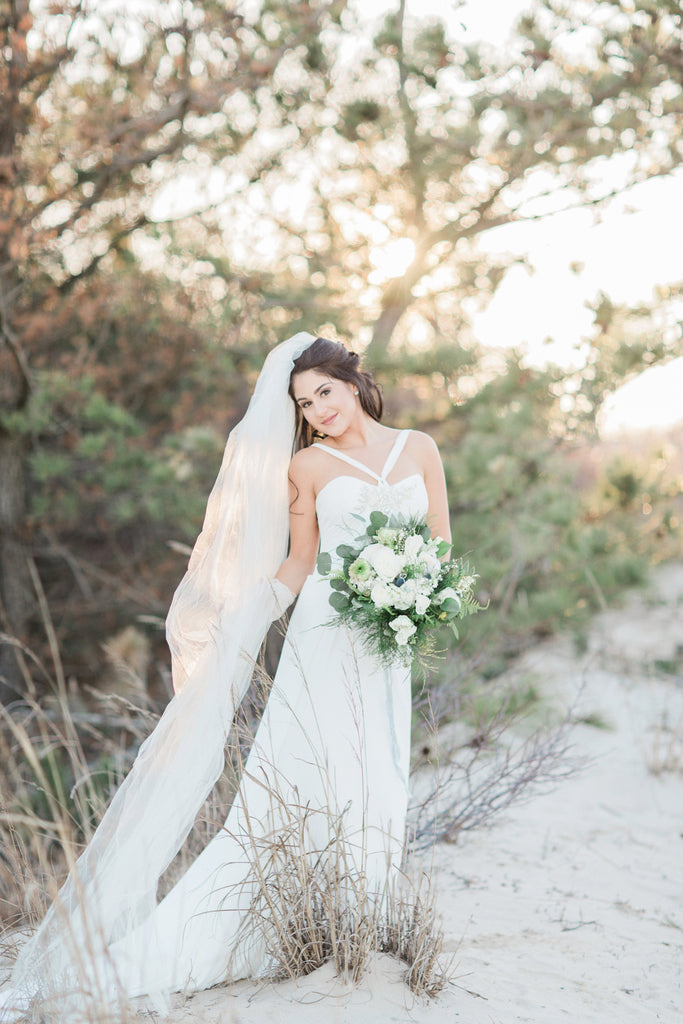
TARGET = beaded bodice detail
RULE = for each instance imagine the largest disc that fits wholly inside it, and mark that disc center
(346, 497)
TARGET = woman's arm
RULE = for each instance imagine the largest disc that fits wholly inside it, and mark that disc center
(429, 459)
(303, 525)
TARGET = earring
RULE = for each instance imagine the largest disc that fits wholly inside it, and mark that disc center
(356, 392)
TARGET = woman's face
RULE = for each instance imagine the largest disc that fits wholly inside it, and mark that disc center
(328, 404)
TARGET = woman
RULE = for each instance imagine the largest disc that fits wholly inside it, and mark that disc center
(338, 402)
(332, 750)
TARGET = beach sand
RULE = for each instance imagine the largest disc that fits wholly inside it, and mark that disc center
(570, 906)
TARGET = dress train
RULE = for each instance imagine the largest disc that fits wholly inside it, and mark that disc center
(333, 746)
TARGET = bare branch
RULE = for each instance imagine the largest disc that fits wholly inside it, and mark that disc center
(91, 267)
(477, 782)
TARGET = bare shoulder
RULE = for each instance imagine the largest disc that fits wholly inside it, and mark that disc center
(304, 464)
(423, 448)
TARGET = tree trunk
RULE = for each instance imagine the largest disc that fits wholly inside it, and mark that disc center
(382, 332)
(16, 595)
(396, 300)
(16, 591)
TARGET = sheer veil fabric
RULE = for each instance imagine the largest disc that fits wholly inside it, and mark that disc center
(216, 624)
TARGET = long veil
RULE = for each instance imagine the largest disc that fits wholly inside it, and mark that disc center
(216, 624)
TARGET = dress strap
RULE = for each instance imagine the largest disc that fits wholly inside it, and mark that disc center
(394, 454)
(347, 459)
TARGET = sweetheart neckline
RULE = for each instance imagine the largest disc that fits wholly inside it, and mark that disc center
(368, 483)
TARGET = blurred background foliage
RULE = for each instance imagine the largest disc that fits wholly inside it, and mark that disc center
(183, 185)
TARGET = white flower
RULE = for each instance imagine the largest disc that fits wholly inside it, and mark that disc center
(386, 563)
(381, 595)
(421, 604)
(386, 535)
(404, 629)
(404, 596)
(447, 594)
(413, 547)
(430, 565)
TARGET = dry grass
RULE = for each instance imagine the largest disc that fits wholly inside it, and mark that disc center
(315, 904)
(58, 770)
(666, 751)
(316, 901)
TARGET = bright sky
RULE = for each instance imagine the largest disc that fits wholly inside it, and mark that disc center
(626, 255)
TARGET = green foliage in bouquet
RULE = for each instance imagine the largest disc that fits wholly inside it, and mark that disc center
(394, 589)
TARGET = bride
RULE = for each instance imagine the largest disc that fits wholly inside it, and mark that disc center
(333, 743)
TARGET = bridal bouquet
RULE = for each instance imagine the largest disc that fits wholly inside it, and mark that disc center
(393, 586)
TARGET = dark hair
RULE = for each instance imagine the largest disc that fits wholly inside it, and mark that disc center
(332, 358)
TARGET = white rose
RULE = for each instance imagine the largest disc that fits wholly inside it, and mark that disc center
(386, 563)
(404, 629)
(381, 595)
(447, 593)
(386, 535)
(413, 547)
(421, 604)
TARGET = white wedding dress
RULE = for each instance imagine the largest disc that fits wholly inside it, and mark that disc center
(334, 740)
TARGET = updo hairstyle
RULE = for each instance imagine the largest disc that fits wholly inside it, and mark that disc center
(333, 359)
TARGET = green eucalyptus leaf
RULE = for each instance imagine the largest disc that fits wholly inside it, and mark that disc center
(346, 551)
(340, 602)
(324, 563)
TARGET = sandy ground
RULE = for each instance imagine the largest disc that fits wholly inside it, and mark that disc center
(571, 906)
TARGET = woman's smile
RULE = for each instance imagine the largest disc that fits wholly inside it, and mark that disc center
(328, 404)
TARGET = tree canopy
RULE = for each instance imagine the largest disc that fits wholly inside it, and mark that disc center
(183, 184)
